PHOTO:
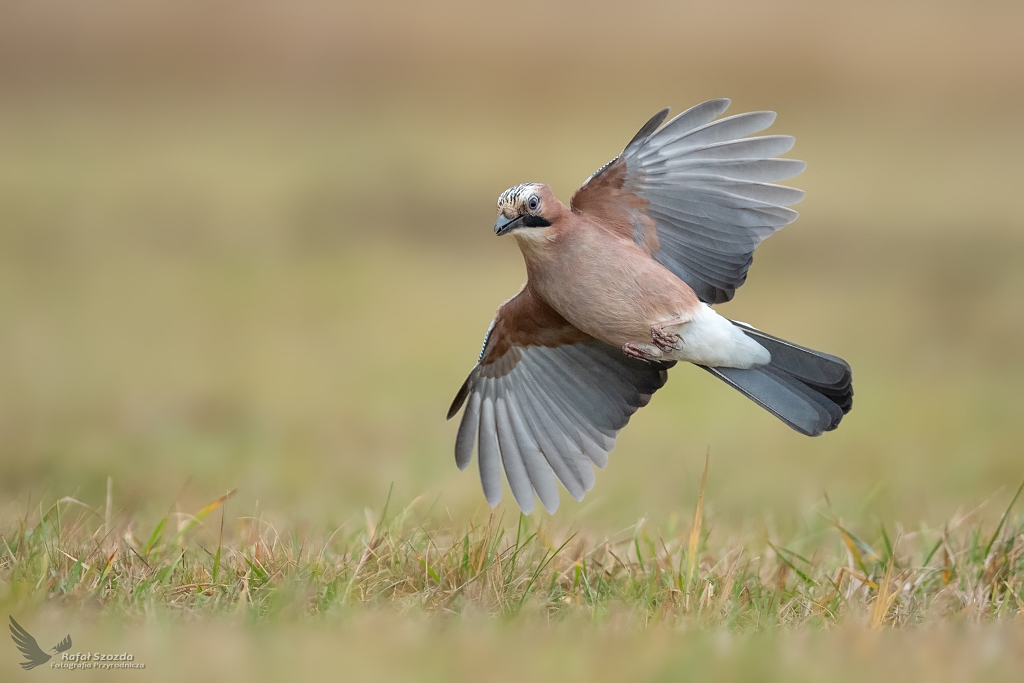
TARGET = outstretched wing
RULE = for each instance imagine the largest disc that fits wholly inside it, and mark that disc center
(28, 646)
(64, 645)
(546, 400)
(697, 194)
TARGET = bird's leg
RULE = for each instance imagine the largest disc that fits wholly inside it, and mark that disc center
(646, 352)
(663, 338)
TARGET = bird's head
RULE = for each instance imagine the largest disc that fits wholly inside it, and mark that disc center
(527, 207)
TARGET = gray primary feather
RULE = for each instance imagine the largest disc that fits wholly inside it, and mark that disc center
(594, 416)
(489, 450)
(694, 117)
(550, 434)
(551, 430)
(556, 413)
(710, 192)
(467, 432)
(647, 130)
(515, 469)
(537, 468)
(723, 130)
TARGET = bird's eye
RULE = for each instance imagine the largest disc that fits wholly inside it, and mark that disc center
(533, 203)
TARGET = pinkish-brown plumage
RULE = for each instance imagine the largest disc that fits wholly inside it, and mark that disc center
(600, 281)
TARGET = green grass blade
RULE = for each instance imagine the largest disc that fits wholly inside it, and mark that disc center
(1002, 520)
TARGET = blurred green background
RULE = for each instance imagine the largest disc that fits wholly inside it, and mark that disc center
(249, 245)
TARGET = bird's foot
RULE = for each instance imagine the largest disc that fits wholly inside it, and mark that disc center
(665, 340)
(645, 352)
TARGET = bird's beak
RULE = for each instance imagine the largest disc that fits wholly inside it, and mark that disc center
(505, 225)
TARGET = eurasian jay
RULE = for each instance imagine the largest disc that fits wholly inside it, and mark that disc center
(619, 288)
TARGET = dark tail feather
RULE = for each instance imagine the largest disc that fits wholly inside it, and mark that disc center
(808, 390)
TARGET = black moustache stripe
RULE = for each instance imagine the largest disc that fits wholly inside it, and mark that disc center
(535, 222)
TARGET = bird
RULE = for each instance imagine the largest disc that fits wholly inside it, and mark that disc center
(27, 645)
(620, 287)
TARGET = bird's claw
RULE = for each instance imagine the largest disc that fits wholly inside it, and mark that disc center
(664, 340)
(644, 352)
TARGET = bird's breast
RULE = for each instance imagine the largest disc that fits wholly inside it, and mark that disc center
(614, 292)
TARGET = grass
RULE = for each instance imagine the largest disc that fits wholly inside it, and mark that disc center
(412, 561)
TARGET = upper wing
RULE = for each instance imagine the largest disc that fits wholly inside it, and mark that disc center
(697, 194)
(546, 400)
(28, 646)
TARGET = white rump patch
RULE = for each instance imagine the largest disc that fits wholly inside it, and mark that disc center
(709, 339)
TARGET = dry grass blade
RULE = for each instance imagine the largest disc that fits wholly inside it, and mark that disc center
(220, 542)
(107, 528)
(1016, 598)
(196, 519)
(695, 531)
(859, 550)
(886, 594)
